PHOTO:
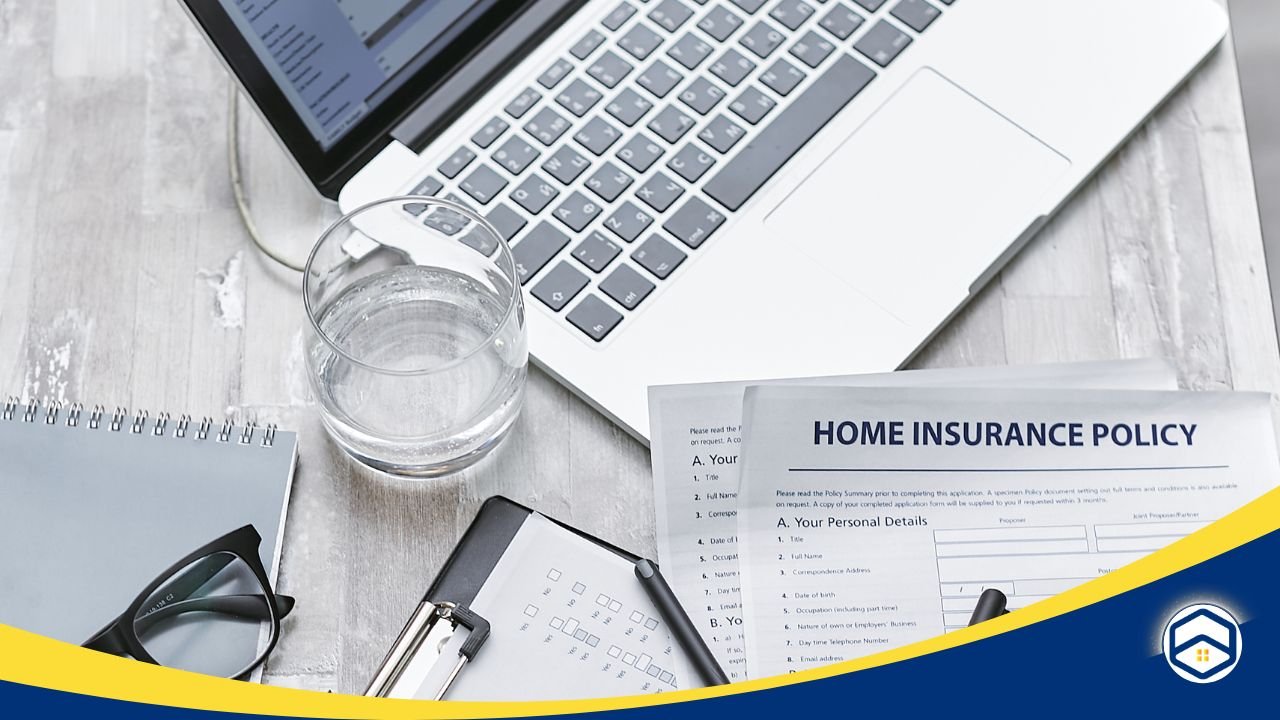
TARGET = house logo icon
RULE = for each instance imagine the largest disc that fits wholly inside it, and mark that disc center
(1202, 643)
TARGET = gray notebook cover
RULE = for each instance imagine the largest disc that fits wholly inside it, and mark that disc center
(89, 516)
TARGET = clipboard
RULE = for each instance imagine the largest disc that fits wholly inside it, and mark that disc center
(523, 594)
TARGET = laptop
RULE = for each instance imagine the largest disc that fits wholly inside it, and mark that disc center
(1255, 27)
(718, 189)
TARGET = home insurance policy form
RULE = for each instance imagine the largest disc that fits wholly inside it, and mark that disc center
(695, 443)
(870, 518)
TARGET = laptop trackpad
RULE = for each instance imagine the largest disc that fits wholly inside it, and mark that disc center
(921, 199)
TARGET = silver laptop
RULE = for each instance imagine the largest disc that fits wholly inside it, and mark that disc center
(718, 189)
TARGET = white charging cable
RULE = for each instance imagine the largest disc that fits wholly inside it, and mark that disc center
(237, 184)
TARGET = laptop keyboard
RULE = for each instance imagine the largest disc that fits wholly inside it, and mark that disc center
(627, 154)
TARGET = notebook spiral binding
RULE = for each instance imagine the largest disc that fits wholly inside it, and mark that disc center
(119, 421)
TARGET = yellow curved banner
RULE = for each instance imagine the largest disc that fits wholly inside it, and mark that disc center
(34, 660)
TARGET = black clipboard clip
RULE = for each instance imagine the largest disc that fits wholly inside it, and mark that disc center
(432, 622)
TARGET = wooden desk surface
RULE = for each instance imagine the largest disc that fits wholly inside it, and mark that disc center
(127, 278)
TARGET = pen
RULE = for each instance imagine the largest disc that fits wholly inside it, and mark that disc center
(991, 604)
(656, 587)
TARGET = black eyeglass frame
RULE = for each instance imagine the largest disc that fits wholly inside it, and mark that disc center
(120, 636)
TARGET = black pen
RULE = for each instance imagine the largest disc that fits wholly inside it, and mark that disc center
(991, 604)
(656, 587)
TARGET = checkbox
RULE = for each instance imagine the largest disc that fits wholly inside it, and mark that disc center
(614, 651)
(531, 611)
(579, 588)
(570, 625)
(666, 677)
(651, 624)
(602, 600)
(580, 634)
(557, 623)
(629, 659)
(554, 575)
(614, 605)
(637, 616)
(592, 640)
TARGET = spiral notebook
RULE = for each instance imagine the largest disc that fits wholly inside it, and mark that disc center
(95, 503)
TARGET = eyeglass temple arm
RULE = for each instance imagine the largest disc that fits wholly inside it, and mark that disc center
(250, 607)
(253, 607)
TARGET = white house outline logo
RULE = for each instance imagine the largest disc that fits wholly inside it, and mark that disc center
(1202, 643)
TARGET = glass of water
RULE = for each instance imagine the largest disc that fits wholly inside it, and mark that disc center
(416, 345)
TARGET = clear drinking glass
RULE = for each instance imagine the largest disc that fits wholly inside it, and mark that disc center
(416, 351)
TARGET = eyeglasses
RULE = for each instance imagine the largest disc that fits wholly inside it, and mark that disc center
(213, 612)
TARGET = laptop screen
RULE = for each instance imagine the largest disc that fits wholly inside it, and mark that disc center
(335, 61)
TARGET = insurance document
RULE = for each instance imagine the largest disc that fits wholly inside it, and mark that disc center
(695, 431)
(871, 518)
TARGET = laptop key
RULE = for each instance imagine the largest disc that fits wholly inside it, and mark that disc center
(778, 141)
(870, 5)
(483, 184)
(719, 23)
(534, 194)
(595, 318)
(515, 155)
(445, 221)
(689, 51)
(791, 14)
(618, 16)
(491, 131)
(701, 96)
(628, 107)
(660, 192)
(554, 74)
(640, 153)
(506, 221)
(658, 256)
(690, 163)
(578, 97)
(609, 182)
(749, 6)
(670, 124)
(627, 287)
(566, 164)
(609, 69)
(587, 45)
(762, 39)
(597, 136)
(628, 221)
(841, 22)
(694, 222)
(752, 105)
(577, 211)
(670, 14)
(547, 126)
(596, 252)
(560, 285)
(525, 100)
(721, 133)
(480, 240)
(812, 49)
(782, 77)
(455, 163)
(428, 186)
(659, 78)
(915, 14)
(640, 41)
(732, 67)
(882, 43)
(536, 249)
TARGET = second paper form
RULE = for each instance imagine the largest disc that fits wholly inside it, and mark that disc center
(696, 440)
